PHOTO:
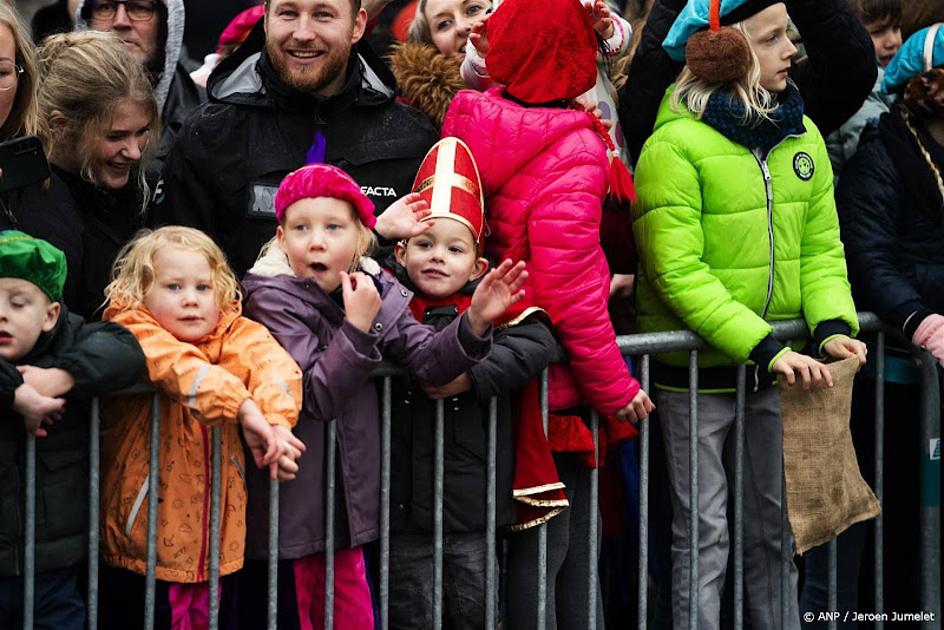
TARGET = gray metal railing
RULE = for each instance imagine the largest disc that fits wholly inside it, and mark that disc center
(635, 345)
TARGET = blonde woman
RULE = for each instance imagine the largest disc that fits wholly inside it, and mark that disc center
(42, 209)
(736, 227)
(98, 105)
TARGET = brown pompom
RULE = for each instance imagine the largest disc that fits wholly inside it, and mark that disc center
(720, 56)
(427, 79)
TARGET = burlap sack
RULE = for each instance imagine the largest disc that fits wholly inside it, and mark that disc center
(825, 491)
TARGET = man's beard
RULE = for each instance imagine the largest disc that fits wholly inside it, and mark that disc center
(311, 79)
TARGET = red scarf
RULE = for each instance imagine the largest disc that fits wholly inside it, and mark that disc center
(536, 487)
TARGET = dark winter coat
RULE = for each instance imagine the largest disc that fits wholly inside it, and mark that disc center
(232, 154)
(834, 79)
(892, 219)
(520, 352)
(109, 219)
(47, 211)
(102, 358)
(336, 359)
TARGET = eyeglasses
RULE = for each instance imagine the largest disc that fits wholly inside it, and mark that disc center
(9, 75)
(137, 10)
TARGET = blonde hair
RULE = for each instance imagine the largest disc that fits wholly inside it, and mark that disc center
(694, 92)
(86, 75)
(133, 273)
(24, 115)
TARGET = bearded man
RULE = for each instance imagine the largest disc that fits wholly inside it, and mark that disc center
(303, 88)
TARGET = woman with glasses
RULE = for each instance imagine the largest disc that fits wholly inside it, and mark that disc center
(43, 209)
(102, 117)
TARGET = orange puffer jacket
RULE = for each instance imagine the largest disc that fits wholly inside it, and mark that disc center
(203, 384)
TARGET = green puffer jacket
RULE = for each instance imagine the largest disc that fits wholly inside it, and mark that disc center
(730, 241)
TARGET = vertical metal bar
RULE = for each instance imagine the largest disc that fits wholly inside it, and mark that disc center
(438, 515)
(272, 616)
(833, 586)
(541, 607)
(786, 553)
(930, 543)
(739, 404)
(93, 533)
(643, 575)
(154, 468)
(330, 452)
(385, 453)
(29, 551)
(594, 524)
(490, 514)
(693, 489)
(216, 489)
(879, 484)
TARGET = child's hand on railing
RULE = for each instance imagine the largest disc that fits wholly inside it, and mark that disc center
(290, 449)
(461, 383)
(258, 435)
(637, 409)
(37, 410)
(497, 291)
(810, 372)
(404, 218)
(843, 347)
(51, 382)
(930, 336)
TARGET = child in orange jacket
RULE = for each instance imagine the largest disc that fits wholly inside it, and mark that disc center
(174, 291)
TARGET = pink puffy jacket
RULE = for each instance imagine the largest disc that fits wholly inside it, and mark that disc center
(544, 174)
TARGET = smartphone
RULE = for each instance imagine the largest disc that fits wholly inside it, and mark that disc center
(23, 162)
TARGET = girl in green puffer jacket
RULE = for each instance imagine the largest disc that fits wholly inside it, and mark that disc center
(736, 227)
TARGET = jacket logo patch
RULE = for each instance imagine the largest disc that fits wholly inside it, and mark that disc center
(378, 191)
(262, 201)
(803, 166)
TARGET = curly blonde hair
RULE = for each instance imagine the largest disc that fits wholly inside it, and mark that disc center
(133, 273)
(24, 116)
(85, 76)
(694, 92)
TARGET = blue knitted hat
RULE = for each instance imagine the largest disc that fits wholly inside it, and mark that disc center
(696, 16)
(921, 52)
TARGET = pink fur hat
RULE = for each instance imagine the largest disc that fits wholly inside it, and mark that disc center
(322, 180)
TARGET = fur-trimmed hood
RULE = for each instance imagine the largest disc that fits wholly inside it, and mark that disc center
(427, 79)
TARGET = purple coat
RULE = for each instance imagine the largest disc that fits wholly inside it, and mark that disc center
(336, 359)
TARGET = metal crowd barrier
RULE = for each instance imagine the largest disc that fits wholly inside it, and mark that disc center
(631, 345)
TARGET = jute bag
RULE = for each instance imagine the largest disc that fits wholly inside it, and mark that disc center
(825, 490)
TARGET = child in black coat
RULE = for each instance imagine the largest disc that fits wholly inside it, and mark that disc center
(51, 364)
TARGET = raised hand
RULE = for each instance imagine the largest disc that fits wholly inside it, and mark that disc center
(498, 290)
(602, 21)
(810, 372)
(844, 347)
(478, 37)
(37, 410)
(404, 218)
(361, 299)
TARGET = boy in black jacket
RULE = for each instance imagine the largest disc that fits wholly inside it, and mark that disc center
(442, 267)
(51, 364)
